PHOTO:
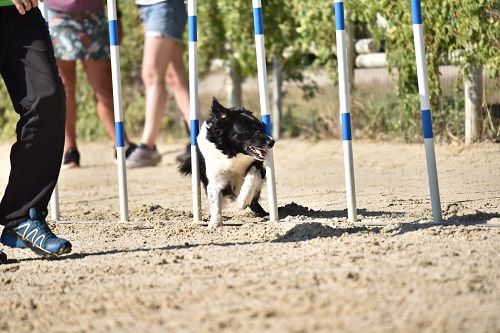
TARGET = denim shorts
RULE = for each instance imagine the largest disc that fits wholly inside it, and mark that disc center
(165, 19)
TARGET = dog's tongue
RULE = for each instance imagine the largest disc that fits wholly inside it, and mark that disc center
(259, 152)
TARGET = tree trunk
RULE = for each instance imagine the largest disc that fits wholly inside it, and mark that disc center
(277, 97)
(234, 98)
(473, 85)
(351, 48)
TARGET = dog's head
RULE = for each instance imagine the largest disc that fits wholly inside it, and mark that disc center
(236, 131)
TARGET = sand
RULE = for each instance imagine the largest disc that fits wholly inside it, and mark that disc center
(311, 272)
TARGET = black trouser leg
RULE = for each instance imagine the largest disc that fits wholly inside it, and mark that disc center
(28, 67)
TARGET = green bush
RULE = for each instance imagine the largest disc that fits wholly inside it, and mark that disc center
(305, 32)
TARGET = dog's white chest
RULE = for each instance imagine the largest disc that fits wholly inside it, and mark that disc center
(219, 167)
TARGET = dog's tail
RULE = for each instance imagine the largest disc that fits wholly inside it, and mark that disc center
(185, 168)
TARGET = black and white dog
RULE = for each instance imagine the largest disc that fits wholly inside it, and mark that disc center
(232, 148)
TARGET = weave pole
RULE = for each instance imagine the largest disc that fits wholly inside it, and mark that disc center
(117, 106)
(345, 115)
(418, 38)
(260, 51)
(194, 107)
(54, 200)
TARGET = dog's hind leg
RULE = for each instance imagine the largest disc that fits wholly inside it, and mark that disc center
(250, 188)
(215, 201)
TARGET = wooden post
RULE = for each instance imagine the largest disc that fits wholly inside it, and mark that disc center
(277, 97)
(473, 86)
(234, 98)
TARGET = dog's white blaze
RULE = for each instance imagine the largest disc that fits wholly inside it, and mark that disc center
(221, 169)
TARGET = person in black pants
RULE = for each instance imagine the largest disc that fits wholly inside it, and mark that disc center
(28, 68)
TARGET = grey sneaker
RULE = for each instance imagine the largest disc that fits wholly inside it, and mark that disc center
(186, 154)
(143, 156)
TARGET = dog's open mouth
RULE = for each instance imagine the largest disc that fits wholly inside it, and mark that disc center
(257, 153)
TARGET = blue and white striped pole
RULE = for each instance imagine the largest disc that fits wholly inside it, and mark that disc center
(54, 200)
(264, 105)
(194, 107)
(117, 103)
(418, 37)
(345, 115)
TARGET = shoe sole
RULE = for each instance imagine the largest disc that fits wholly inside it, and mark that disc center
(143, 165)
(41, 253)
(64, 250)
(72, 165)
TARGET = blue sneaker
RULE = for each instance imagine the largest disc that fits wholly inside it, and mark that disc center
(10, 238)
(35, 234)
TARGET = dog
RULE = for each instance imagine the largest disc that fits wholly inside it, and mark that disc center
(232, 147)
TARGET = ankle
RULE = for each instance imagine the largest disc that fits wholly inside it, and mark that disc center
(147, 146)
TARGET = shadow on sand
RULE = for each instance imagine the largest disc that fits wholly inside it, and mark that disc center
(293, 209)
(304, 231)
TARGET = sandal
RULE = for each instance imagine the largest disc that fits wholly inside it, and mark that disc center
(71, 158)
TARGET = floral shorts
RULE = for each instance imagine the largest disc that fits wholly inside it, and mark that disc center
(79, 35)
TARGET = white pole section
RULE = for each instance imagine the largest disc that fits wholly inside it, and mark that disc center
(54, 205)
(345, 115)
(194, 107)
(418, 37)
(117, 104)
(264, 105)
(54, 200)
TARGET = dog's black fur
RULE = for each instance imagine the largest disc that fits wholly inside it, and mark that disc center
(235, 133)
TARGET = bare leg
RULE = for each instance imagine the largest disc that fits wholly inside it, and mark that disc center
(67, 71)
(177, 79)
(99, 77)
(157, 55)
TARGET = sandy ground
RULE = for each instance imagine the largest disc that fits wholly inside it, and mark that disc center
(311, 272)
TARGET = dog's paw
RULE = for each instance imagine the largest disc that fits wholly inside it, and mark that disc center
(212, 226)
(262, 213)
(215, 222)
(243, 202)
(258, 210)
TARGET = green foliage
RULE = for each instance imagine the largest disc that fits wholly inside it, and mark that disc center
(302, 35)
(8, 117)
(452, 27)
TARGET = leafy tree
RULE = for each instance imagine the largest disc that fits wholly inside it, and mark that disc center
(226, 31)
(465, 27)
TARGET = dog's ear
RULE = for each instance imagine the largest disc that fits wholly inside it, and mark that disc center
(219, 110)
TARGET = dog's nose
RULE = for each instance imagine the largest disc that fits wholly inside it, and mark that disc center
(270, 142)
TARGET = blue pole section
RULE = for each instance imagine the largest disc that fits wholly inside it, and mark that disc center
(418, 37)
(117, 104)
(345, 115)
(264, 105)
(194, 108)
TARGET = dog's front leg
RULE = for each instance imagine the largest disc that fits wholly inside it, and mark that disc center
(215, 203)
(250, 187)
